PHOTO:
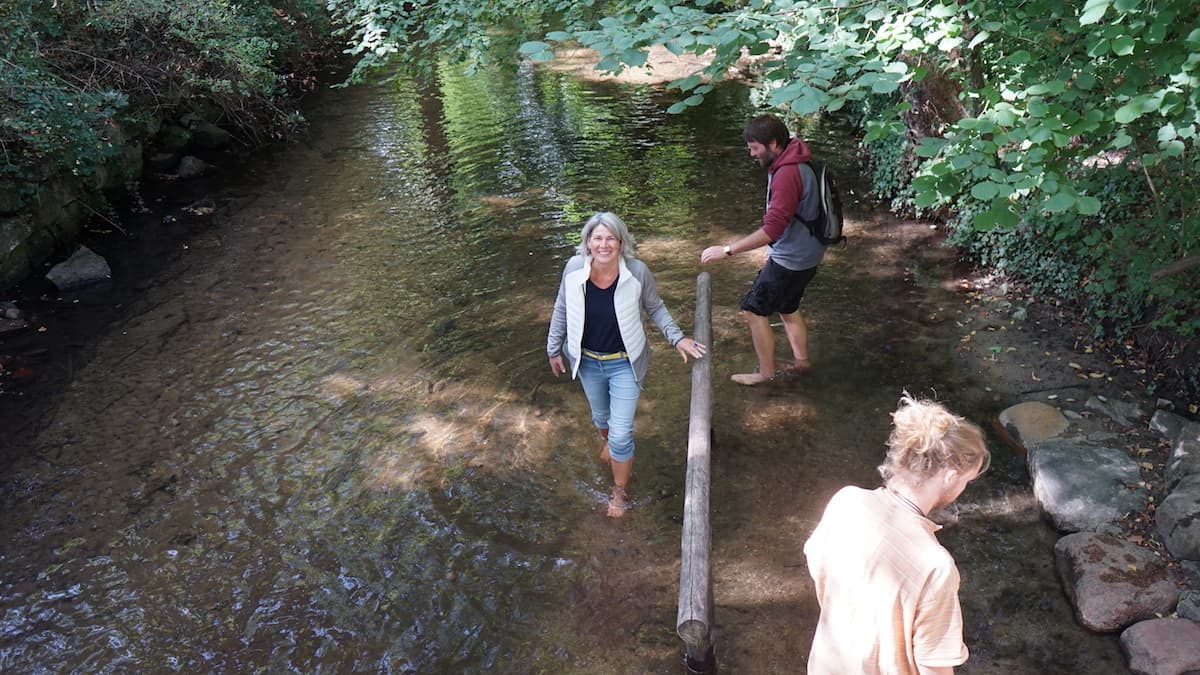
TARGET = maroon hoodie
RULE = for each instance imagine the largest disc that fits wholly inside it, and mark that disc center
(794, 248)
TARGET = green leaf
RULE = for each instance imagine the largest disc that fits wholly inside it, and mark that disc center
(1167, 132)
(1059, 202)
(979, 39)
(1088, 206)
(1093, 11)
(676, 108)
(985, 191)
(1020, 58)
(1123, 46)
(1130, 111)
(984, 220)
(1173, 148)
(999, 216)
(930, 146)
(806, 105)
(634, 58)
(538, 51)
(693, 100)
(925, 198)
(948, 44)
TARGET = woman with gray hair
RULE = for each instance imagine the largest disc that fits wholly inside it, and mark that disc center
(596, 332)
(888, 591)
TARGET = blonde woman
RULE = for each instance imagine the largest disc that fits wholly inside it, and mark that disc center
(596, 329)
(888, 590)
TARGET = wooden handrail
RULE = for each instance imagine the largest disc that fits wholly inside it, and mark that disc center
(695, 619)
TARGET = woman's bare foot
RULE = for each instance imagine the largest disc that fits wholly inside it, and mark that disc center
(618, 503)
(604, 456)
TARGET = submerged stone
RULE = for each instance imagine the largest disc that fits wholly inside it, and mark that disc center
(84, 267)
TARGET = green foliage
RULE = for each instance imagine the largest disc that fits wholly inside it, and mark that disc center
(1018, 112)
(73, 71)
(1106, 262)
(476, 33)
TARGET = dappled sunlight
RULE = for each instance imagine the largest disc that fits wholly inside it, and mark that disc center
(666, 67)
(394, 469)
(492, 430)
(341, 385)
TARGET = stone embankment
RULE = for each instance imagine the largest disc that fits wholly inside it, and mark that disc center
(42, 219)
(1123, 487)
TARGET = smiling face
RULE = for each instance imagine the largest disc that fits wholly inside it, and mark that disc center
(765, 154)
(604, 246)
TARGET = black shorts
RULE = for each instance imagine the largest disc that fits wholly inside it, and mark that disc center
(777, 289)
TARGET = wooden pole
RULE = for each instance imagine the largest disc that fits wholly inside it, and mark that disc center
(695, 619)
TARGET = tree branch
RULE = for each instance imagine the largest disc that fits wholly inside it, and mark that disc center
(1176, 267)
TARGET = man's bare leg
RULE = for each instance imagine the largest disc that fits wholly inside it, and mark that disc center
(797, 334)
(764, 348)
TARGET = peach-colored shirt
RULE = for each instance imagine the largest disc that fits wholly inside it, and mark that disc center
(888, 590)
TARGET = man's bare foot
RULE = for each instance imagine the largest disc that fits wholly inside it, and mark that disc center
(793, 367)
(750, 379)
(618, 503)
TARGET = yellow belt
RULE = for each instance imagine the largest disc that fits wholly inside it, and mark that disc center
(605, 357)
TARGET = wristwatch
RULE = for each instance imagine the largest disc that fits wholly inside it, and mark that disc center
(728, 250)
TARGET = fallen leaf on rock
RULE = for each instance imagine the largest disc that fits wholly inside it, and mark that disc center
(1132, 567)
(1035, 377)
(1074, 365)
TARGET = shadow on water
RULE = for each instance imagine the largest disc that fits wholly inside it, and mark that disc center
(331, 442)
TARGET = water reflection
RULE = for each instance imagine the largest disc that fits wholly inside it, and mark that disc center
(333, 446)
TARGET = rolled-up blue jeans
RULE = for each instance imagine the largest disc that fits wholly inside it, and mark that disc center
(612, 391)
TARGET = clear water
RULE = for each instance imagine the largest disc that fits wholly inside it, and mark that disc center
(322, 437)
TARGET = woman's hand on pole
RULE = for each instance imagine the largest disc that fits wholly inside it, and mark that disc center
(689, 347)
(558, 366)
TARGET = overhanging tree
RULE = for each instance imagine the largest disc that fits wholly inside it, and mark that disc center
(1044, 98)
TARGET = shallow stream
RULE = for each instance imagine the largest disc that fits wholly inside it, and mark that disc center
(319, 434)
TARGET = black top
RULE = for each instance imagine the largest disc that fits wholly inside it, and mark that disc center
(601, 334)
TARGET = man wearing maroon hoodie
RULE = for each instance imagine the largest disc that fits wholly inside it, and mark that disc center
(794, 251)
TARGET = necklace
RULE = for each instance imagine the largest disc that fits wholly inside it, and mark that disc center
(908, 503)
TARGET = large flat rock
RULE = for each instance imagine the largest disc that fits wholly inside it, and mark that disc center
(1083, 486)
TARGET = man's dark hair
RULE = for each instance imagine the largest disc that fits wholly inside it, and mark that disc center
(766, 128)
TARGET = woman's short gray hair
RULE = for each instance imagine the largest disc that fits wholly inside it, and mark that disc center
(615, 225)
